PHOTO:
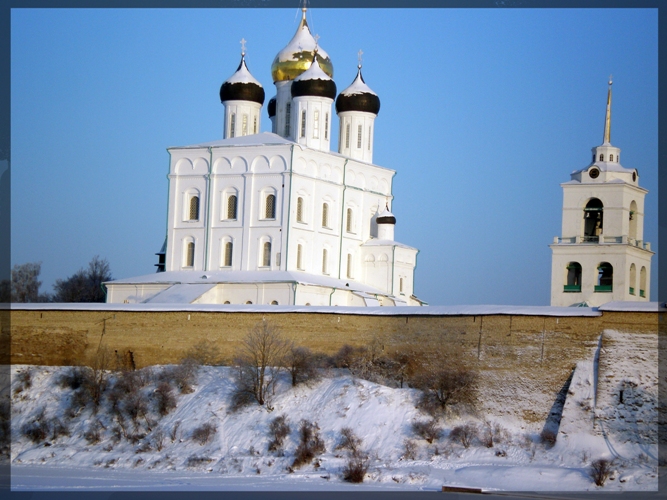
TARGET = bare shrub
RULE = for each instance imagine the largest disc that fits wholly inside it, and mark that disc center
(356, 467)
(349, 440)
(135, 407)
(94, 432)
(144, 447)
(204, 433)
(464, 434)
(548, 438)
(279, 429)
(98, 379)
(184, 375)
(300, 364)
(24, 378)
(205, 352)
(5, 427)
(428, 430)
(345, 356)
(492, 434)
(600, 471)
(310, 444)
(174, 431)
(445, 387)
(195, 461)
(74, 378)
(38, 429)
(409, 450)
(259, 361)
(158, 438)
(165, 400)
(58, 428)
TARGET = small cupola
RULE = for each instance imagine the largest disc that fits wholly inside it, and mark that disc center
(243, 96)
(271, 108)
(314, 82)
(357, 107)
(386, 222)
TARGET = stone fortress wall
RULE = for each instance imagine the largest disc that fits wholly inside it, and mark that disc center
(524, 360)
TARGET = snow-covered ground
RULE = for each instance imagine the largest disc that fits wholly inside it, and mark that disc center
(237, 456)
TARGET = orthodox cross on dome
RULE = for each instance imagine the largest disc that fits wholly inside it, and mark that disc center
(607, 118)
(359, 54)
(243, 42)
(316, 37)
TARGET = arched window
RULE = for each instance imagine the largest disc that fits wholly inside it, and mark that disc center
(270, 208)
(299, 257)
(325, 261)
(605, 278)
(349, 265)
(303, 123)
(194, 208)
(274, 302)
(266, 255)
(348, 222)
(573, 278)
(593, 213)
(642, 282)
(611, 157)
(632, 230)
(190, 254)
(248, 301)
(229, 248)
(232, 126)
(226, 302)
(299, 209)
(633, 278)
(325, 215)
(232, 202)
(601, 157)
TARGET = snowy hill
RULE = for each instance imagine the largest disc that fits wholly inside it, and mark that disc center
(91, 449)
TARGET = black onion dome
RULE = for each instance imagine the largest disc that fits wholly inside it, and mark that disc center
(314, 82)
(386, 217)
(242, 86)
(272, 107)
(358, 97)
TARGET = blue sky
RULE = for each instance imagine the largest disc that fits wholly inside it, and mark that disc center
(484, 113)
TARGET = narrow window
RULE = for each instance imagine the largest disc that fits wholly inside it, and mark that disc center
(228, 253)
(316, 124)
(287, 118)
(270, 209)
(642, 282)
(299, 209)
(194, 208)
(347, 135)
(244, 125)
(573, 279)
(231, 206)
(266, 257)
(254, 125)
(326, 126)
(299, 257)
(369, 137)
(611, 157)
(232, 126)
(190, 257)
(400, 285)
(601, 157)
(349, 265)
(348, 222)
(303, 123)
(633, 279)
(359, 137)
(325, 258)
(325, 215)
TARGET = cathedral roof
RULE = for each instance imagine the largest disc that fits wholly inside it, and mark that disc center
(297, 56)
(242, 86)
(314, 82)
(358, 97)
(261, 139)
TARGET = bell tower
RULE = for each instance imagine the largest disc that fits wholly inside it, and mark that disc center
(601, 255)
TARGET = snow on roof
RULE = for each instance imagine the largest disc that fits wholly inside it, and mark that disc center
(473, 310)
(374, 242)
(262, 139)
(180, 294)
(632, 306)
(606, 166)
(314, 72)
(302, 41)
(242, 75)
(358, 86)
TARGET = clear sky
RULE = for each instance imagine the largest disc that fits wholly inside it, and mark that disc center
(484, 112)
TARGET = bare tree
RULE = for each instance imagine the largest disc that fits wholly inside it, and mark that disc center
(86, 284)
(259, 361)
(25, 282)
(300, 364)
(444, 387)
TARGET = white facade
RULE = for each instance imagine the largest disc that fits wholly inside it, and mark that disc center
(277, 218)
(601, 255)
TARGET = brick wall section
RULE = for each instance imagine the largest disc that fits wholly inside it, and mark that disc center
(523, 360)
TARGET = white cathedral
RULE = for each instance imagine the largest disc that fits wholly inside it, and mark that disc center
(601, 255)
(278, 218)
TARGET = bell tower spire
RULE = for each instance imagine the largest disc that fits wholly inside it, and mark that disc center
(607, 118)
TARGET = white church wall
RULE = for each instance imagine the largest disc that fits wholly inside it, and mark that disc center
(134, 293)
(243, 293)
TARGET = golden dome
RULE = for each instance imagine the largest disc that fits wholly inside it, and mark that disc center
(297, 56)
